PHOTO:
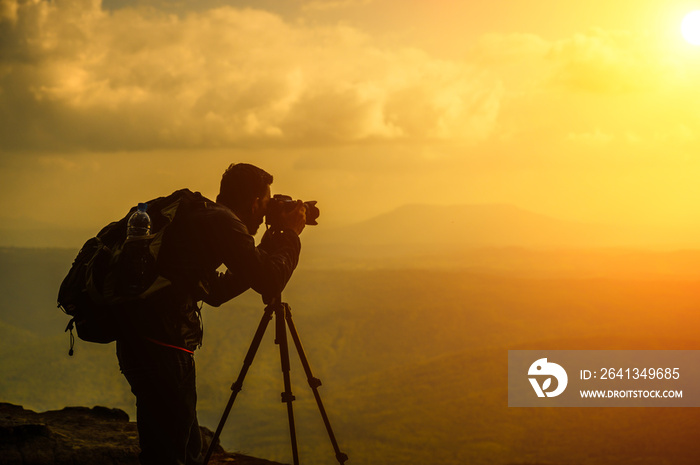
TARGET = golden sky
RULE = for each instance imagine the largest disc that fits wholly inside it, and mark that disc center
(580, 110)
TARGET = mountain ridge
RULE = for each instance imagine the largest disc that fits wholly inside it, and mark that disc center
(482, 225)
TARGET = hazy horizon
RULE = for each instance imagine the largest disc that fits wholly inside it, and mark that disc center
(462, 225)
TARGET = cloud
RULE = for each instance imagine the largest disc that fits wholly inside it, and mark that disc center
(595, 91)
(595, 138)
(511, 48)
(323, 5)
(75, 76)
(8, 11)
(609, 62)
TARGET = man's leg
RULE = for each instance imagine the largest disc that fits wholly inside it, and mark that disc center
(194, 446)
(163, 381)
(193, 449)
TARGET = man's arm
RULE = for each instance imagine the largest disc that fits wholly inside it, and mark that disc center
(266, 268)
(222, 287)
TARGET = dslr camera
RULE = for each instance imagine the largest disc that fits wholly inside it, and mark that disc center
(282, 204)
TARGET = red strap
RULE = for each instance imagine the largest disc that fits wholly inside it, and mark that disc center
(171, 346)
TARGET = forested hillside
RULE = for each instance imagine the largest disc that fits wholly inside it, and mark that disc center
(413, 363)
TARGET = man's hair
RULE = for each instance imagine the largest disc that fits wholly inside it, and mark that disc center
(241, 184)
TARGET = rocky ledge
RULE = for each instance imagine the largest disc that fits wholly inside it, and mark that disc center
(82, 436)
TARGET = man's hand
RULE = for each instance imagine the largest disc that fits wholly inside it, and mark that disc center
(294, 219)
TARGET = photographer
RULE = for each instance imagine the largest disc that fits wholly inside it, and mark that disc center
(157, 356)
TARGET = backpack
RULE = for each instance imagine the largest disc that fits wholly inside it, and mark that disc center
(92, 293)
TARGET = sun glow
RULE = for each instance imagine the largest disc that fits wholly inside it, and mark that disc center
(690, 27)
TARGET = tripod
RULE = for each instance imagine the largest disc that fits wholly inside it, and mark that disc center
(283, 320)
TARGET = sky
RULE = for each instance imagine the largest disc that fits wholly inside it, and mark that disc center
(583, 111)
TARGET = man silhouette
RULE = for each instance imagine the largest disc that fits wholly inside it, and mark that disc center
(157, 356)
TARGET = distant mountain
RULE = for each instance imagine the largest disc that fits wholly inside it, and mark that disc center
(489, 225)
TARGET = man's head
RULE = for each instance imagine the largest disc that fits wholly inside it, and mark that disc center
(245, 189)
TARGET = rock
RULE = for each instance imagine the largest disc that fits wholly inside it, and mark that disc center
(82, 436)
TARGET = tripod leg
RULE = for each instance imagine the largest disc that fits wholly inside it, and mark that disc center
(314, 383)
(238, 384)
(287, 397)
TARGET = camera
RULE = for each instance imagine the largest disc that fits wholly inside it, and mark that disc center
(282, 204)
